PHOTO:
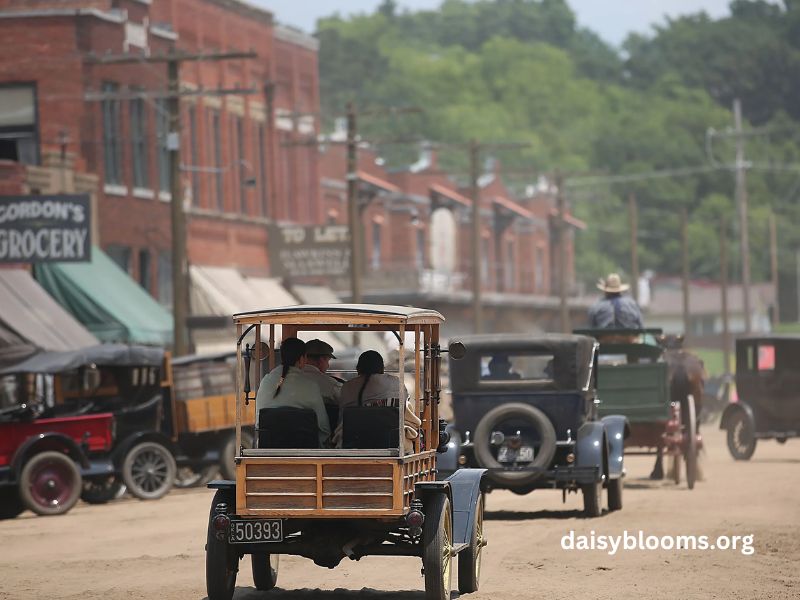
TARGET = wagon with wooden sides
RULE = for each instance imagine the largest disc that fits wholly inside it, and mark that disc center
(633, 379)
(371, 496)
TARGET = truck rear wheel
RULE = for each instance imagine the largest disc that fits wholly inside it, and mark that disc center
(437, 537)
(149, 471)
(265, 570)
(50, 483)
(222, 561)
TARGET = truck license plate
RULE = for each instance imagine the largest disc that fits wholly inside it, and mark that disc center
(510, 455)
(255, 530)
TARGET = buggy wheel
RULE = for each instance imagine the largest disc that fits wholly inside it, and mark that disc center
(100, 491)
(227, 467)
(741, 438)
(222, 561)
(50, 483)
(10, 504)
(615, 494)
(469, 559)
(676, 468)
(593, 499)
(690, 447)
(149, 471)
(437, 548)
(265, 570)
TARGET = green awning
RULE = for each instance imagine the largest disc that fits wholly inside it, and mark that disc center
(107, 301)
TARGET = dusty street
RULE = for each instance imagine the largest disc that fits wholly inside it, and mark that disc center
(154, 550)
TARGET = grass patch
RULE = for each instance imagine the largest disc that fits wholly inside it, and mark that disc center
(714, 361)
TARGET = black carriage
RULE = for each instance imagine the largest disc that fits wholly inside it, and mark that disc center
(768, 389)
(525, 409)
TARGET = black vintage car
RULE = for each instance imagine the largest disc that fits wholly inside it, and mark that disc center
(768, 388)
(525, 408)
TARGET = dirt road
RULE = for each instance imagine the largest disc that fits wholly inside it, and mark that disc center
(131, 549)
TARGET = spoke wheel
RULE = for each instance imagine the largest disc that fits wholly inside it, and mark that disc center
(222, 561)
(438, 548)
(149, 471)
(741, 438)
(265, 570)
(50, 483)
(469, 560)
(690, 447)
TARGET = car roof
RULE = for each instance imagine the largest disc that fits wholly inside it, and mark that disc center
(769, 337)
(519, 341)
(343, 313)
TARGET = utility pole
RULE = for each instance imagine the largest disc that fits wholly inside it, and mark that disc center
(773, 264)
(723, 284)
(633, 215)
(741, 198)
(353, 210)
(180, 270)
(563, 309)
(475, 196)
(685, 276)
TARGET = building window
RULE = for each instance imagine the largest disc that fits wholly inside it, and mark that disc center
(195, 155)
(376, 246)
(18, 131)
(262, 167)
(162, 151)
(120, 255)
(216, 143)
(165, 278)
(138, 119)
(241, 164)
(144, 270)
(112, 135)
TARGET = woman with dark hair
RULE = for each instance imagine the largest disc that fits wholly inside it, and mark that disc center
(286, 385)
(373, 387)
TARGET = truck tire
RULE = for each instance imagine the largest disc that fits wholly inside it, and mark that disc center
(50, 483)
(265, 570)
(222, 563)
(469, 559)
(437, 540)
(529, 414)
(149, 471)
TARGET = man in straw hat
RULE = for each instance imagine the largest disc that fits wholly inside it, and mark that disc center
(615, 311)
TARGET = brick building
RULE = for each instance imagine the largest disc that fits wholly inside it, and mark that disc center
(240, 167)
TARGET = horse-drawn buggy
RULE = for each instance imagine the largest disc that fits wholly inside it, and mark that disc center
(375, 492)
(658, 388)
(768, 388)
(525, 409)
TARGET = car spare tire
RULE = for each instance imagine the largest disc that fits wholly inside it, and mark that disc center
(529, 416)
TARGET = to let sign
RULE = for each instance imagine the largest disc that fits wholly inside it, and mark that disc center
(314, 251)
(38, 229)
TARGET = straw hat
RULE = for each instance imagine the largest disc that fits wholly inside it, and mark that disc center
(612, 284)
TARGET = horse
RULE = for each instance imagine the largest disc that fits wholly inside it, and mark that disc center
(687, 375)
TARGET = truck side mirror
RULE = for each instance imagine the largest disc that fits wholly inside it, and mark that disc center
(457, 350)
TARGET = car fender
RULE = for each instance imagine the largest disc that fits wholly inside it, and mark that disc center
(123, 447)
(465, 489)
(617, 430)
(447, 461)
(590, 447)
(732, 409)
(44, 442)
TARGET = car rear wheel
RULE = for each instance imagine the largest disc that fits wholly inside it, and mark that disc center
(593, 499)
(741, 437)
(615, 494)
(50, 483)
(265, 570)
(437, 538)
(469, 560)
(149, 471)
(101, 491)
(222, 561)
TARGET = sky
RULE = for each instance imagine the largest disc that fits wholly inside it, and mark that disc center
(611, 19)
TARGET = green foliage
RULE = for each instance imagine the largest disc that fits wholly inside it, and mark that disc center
(522, 70)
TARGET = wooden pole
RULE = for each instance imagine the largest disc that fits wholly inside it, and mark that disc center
(685, 275)
(563, 309)
(741, 197)
(723, 285)
(633, 215)
(773, 263)
(477, 306)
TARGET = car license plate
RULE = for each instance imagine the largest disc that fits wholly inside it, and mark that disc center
(511, 455)
(255, 530)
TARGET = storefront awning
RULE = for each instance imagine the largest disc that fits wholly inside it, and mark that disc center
(107, 301)
(31, 320)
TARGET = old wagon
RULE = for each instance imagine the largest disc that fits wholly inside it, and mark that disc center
(367, 498)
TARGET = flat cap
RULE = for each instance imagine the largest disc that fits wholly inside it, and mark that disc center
(319, 348)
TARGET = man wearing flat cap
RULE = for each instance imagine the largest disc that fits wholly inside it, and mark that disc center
(615, 310)
(318, 359)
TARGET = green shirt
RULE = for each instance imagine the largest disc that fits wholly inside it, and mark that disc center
(297, 391)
